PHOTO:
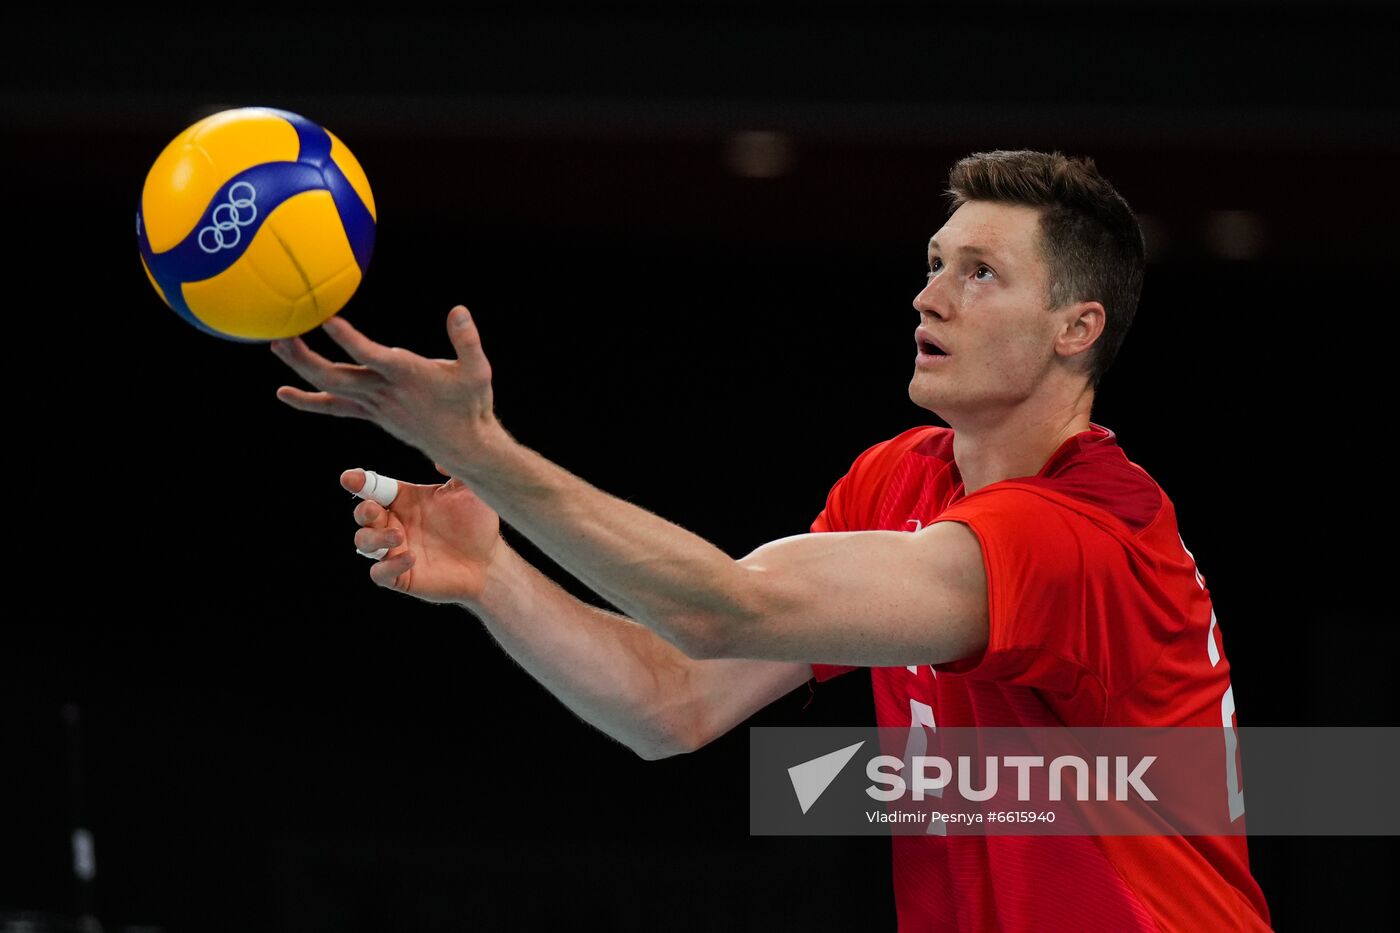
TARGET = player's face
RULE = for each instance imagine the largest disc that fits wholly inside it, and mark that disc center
(984, 304)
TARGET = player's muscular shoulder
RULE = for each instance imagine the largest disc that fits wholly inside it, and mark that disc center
(866, 598)
(923, 594)
(961, 582)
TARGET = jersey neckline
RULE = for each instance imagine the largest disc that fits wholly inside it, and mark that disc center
(1069, 449)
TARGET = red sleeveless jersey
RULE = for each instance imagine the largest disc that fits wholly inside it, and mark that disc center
(1098, 617)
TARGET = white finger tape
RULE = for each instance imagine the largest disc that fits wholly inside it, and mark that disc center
(373, 555)
(382, 489)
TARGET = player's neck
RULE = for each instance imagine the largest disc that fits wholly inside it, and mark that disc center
(1017, 444)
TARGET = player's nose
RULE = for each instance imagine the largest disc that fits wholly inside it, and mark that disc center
(931, 301)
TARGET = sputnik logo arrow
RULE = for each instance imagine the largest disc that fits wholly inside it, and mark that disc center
(811, 778)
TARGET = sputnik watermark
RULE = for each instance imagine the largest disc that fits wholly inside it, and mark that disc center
(1074, 781)
(890, 785)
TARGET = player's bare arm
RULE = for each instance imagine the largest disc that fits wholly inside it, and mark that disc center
(442, 544)
(617, 674)
(867, 598)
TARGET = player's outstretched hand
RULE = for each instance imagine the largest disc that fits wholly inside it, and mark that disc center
(440, 539)
(442, 407)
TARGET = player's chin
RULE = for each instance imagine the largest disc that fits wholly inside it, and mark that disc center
(924, 395)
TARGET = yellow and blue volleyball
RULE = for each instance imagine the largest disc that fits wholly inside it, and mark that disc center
(256, 224)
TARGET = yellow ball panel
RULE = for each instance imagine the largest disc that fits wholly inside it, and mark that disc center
(324, 301)
(178, 188)
(239, 302)
(191, 169)
(310, 230)
(343, 158)
(153, 280)
(270, 258)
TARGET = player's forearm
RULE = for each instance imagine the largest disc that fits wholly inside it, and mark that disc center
(613, 673)
(672, 581)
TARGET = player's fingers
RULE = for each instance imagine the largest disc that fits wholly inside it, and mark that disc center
(369, 540)
(369, 514)
(375, 356)
(322, 403)
(343, 378)
(353, 480)
(393, 572)
(368, 484)
(466, 340)
(382, 489)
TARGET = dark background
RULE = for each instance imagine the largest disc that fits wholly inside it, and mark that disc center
(270, 742)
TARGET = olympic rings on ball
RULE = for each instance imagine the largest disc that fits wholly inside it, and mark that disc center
(232, 219)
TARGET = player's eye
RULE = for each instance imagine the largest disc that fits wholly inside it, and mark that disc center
(934, 265)
(981, 269)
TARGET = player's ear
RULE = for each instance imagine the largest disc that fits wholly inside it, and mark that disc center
(1083, 325)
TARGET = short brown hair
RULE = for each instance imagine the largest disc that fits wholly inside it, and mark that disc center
(1091, 241)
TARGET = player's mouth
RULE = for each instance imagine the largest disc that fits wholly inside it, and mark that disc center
(931, 353)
